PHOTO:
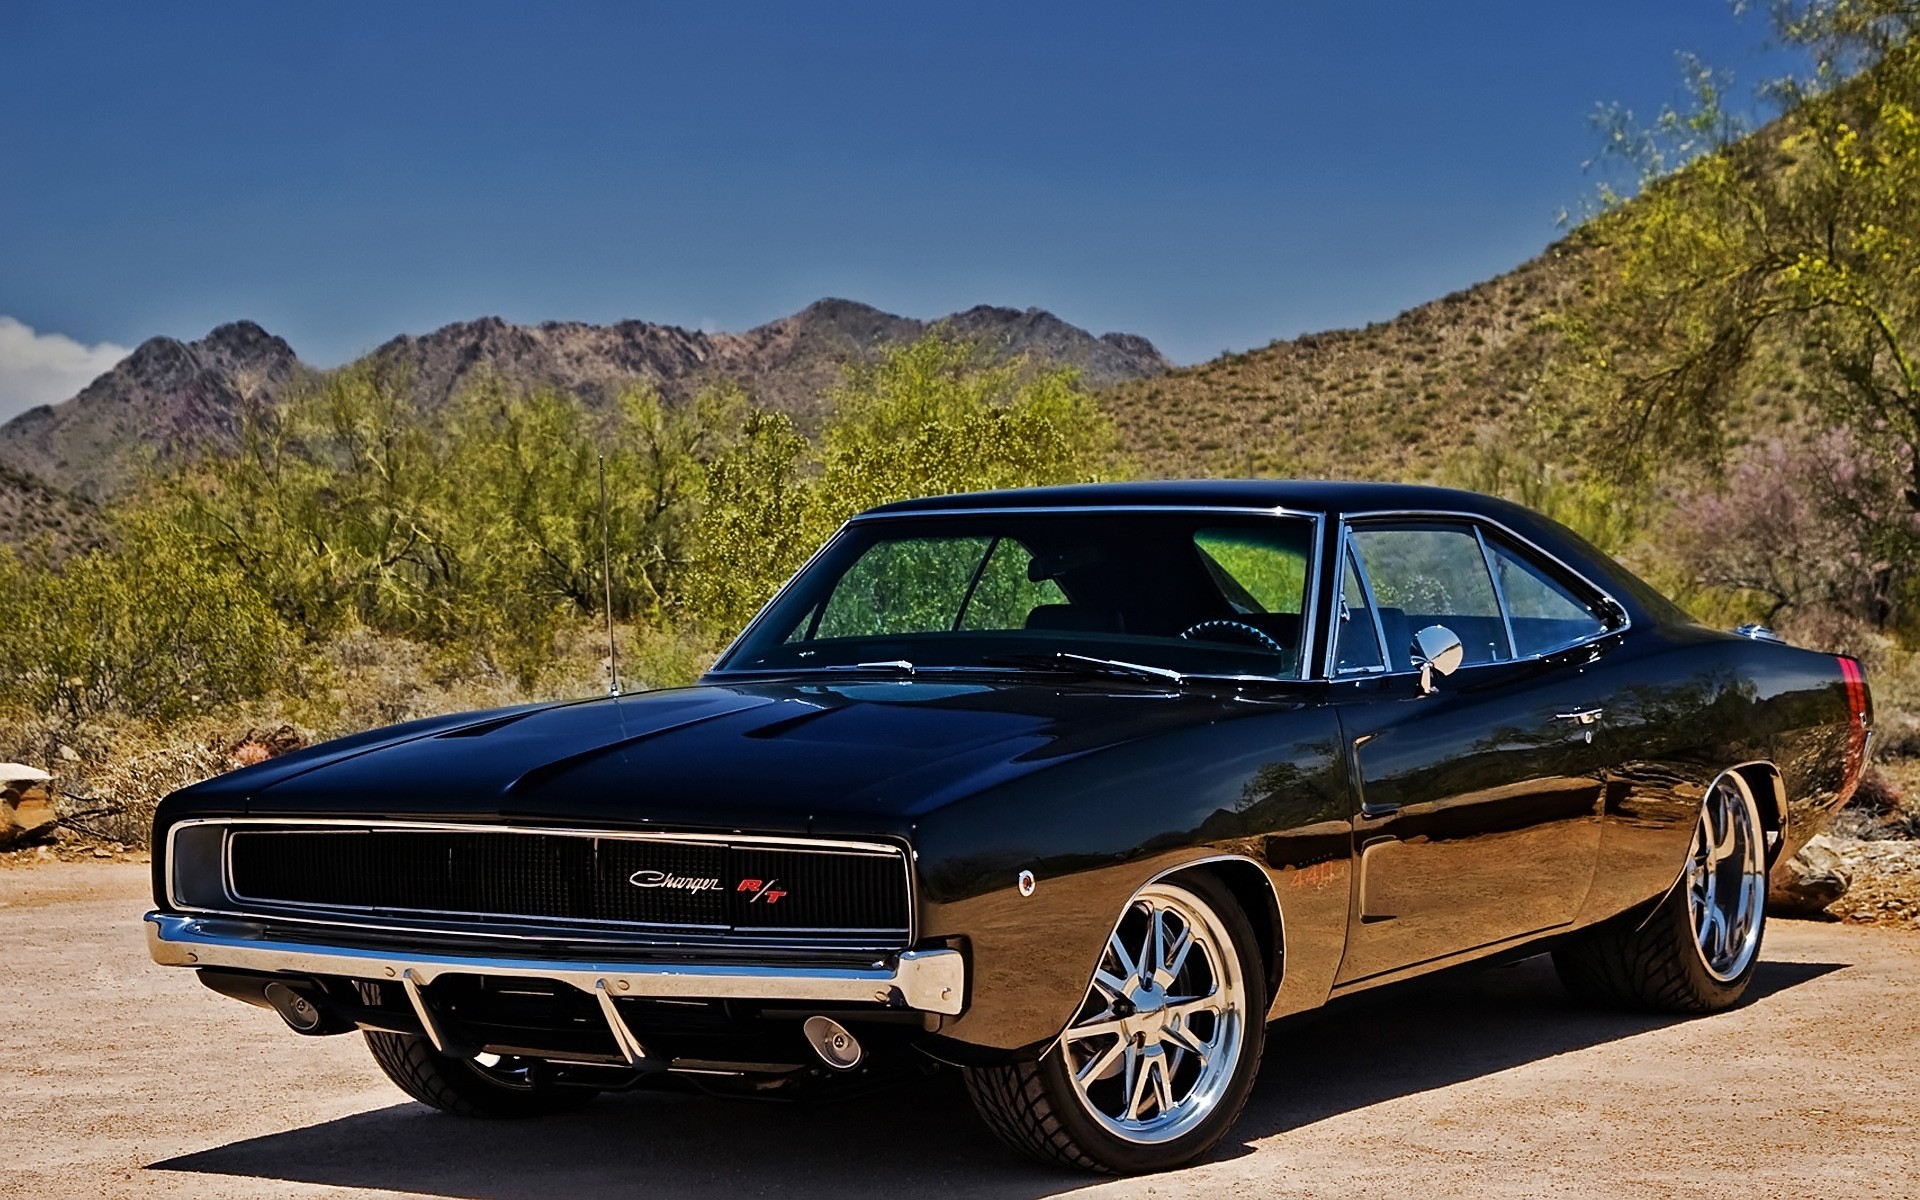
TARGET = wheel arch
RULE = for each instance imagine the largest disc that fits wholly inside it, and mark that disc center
(1250, 885)
(1769, 790)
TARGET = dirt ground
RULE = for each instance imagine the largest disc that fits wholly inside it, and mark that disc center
(127, 1079)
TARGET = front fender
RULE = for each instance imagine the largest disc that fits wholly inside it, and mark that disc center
(1268, 786)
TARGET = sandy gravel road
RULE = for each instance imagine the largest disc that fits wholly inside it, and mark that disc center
(124, 1079)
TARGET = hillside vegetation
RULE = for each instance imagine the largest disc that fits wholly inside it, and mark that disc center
(31, 512)
(1396, 400)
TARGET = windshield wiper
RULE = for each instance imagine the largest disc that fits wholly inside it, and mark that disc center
(1061, 660)
(893, 666)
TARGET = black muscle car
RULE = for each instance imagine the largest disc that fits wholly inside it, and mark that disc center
(1075, 789)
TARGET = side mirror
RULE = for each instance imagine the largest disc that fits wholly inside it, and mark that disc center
(1436, 648)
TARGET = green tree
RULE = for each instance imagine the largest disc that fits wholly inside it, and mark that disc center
(756, 528)
(941, 415)
(1786, 258)
(476, 528)
(528, 472)
(333, 506)
(149, 627)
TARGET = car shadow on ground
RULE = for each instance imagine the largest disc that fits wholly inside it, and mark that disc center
(1396, 1042)
(1415, 1037)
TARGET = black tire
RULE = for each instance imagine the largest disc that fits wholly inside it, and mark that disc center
(1652, 960)
(1034, 1107)
(464, 1087)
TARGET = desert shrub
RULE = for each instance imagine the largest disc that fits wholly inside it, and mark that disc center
(476, 528)
(1605, 512)
(1880, 809)
(148, 627)
(667, 656)
(760, 521)
(1812, 526)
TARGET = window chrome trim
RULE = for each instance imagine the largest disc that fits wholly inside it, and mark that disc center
(1310, 611)
(1476, 521)
(554, 929)
(1499, 592)
(1349, 554)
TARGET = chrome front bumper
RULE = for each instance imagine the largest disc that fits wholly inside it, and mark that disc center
(922, 980)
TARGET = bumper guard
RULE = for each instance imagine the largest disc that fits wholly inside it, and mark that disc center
(922, 980)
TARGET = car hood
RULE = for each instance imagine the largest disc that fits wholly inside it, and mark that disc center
(782, 756)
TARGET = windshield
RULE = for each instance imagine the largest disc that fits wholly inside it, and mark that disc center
(1197, 593)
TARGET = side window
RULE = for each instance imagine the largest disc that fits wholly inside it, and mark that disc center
(1546, 615)
(915, 585)
(1005, 593)
(1433, 575)
(1356, 641)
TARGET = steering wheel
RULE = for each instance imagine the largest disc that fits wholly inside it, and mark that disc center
(1237, 630)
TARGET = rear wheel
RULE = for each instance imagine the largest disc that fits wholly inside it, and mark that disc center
(486, 1085)
(1696, 951)
(1156, 1065)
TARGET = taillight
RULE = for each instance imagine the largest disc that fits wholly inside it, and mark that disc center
(1857, 734)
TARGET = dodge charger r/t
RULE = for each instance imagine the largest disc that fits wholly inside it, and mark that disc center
(1073, 789)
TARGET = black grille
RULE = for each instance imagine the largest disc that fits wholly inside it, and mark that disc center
(743, 890)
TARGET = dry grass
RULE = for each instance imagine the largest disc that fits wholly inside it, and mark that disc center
(110, 773)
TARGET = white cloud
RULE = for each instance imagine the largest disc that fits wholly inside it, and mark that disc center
(46, 368)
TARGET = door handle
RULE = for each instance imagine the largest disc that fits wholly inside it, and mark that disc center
(1374, 812)
(1584, 716)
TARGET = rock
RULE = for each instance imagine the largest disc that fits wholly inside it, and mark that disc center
(26, 807)
(1804, 885)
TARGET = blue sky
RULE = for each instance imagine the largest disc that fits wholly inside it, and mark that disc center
(1212, 176)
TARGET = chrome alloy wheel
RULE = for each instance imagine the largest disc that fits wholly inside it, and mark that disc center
(1155, 1046)
(1727, 878)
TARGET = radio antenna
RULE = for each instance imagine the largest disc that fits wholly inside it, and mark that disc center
(606, 582)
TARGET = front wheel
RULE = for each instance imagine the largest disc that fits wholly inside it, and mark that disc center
(484, 1086)
(1697, 949)
(1157, 1063)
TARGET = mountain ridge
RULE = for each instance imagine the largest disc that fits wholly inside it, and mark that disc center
(170, 397)
(789, 363)
(165, 398)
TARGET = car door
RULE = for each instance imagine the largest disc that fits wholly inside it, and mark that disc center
(1477, 818)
